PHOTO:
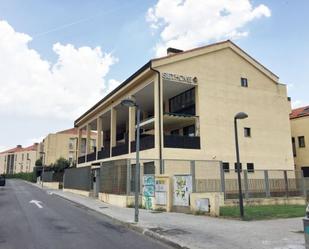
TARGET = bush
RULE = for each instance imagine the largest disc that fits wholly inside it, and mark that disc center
(30, 177)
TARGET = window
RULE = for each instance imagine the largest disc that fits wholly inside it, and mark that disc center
(183, 103)
(294, 146)
(301, 142)
(244, 82)
(250, 167)
(28, 156)
(71, 143)
(226, 167)
(240, 166)
(149, 168)
(22, 157)
(175, 132)
(247, 132)
(189, 131)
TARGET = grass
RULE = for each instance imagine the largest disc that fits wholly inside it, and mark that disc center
(265, 212)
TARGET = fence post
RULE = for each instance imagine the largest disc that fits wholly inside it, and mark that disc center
(286, 183)
(246, 184)
(128, 177)
(266, 179)
(192, 172)
(304, 184)
(222, 176)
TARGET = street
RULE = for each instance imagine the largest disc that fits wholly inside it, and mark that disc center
(30, 218)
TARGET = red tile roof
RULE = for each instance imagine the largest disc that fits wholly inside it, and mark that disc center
(20, 148)
(300, 112)
(73, 131)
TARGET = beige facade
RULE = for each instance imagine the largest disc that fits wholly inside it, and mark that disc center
(61, 144)
(188, 101)
(300, 135)
(19, 159)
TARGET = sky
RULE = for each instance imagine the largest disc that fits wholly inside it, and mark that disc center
(58, 58)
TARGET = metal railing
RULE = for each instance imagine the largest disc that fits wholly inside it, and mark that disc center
(146, 142)
(184, 142)
(120, 149)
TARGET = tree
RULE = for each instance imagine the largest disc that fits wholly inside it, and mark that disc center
(61, 164)
(38, 162)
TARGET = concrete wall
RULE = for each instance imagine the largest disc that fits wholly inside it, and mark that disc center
(269, 201)
(216, 200)
(76, 191)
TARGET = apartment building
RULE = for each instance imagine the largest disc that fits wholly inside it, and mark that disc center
(62, 144)
(19, 159)
(188, 100)
(300, 135)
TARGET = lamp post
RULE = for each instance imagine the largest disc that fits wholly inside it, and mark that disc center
(132, 103)
(240, 115)
(43, 162)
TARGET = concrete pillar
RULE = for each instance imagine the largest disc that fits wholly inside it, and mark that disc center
(286, 183)
(113, 129)
(246, 184)
(88, 130)
(266, 179)
(99, 135)
(197, 112)
(192, 172)
(79, 143)
(222, 178)
(132, 114)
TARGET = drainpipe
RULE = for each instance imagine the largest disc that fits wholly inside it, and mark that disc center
(160, 118)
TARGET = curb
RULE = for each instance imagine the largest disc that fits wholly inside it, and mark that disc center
(131, 226)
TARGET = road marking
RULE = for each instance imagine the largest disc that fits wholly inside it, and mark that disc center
(37, 203)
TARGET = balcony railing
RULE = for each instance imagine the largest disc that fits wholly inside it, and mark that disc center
(104, 153)
(183, 142)
(146, 143)
(91, 157)
(81, 159)
(120, 149)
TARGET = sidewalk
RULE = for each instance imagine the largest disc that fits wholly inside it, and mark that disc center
(196, 232)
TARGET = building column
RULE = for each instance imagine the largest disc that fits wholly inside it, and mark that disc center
(197, 112)
(99, 136)
(113, 129)
(88, 139)
(132, 113)
(79, 143)
(158, 124)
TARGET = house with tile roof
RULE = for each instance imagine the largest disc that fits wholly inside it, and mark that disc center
(299, 118)
(19, 159)
(61, 144)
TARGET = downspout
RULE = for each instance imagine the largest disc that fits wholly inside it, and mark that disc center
(160, 117)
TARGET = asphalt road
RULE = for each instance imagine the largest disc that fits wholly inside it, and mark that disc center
(58, 223)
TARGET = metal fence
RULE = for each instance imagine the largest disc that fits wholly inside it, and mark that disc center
(118, 177)
(51, 176)
(77, 178)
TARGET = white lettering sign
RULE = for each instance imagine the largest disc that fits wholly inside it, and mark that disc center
(179, 78)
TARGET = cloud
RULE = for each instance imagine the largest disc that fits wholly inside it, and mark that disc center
(297, 103)
(189, 23)
(32, 86)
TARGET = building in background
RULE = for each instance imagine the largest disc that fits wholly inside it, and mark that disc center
(300, 138)
(19, 159)
(188, 100)
(61, 144)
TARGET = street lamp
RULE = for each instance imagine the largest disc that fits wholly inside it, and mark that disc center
(42, 153)
(132, 103)
(240, 115)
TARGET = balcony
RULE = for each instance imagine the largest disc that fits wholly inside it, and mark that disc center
(91, 157)
(104, 153)
(120, 149)
(81, 159)
(146, 143)
(182, 142)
